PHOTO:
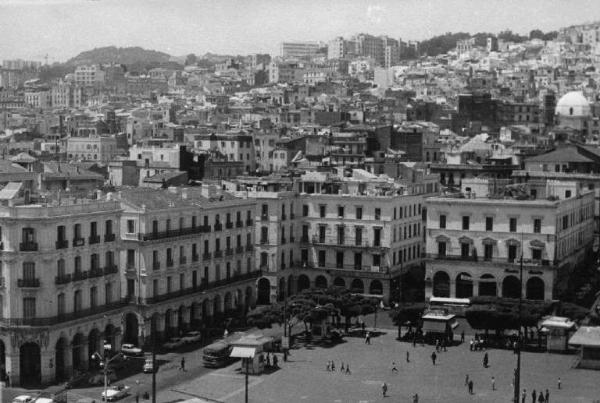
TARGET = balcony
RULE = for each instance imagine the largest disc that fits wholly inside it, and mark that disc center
(130, 267)
(111, 269)
(264, 241)
(62, 244)
(65, 317)
(109, 237)
(357, 270)
(170, 262)
(78, 242)
(229, 252)
(28, 282)
(28, 246)
(206, 256)
(96, 272)
(80, 275)
(195, 257)
(249, 222)
(292, 239)
(218, 227)
(283, 217)
(205, 228)
(154, 235)
(239, 224)
(182, 260)
(239, 249)
(283, 240)
(218, 253)
(156, 266)
(292, 216)
(264, 217)
(249, 248)
(64, 279)
(92, 239)
(229, 225)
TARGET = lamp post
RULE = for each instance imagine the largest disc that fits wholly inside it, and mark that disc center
(106, 361)
(519, 337)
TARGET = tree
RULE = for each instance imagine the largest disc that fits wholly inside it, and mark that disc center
(536, 34)
(191, 59)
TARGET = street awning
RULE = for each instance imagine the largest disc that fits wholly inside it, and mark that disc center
(243, 352)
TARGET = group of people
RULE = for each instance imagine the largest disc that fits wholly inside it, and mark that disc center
(343, 369)
(476, 344)
(535, 397)
(268, 361)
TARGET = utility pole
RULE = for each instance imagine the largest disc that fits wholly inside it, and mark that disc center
(519, 340)
(154, 367)
(247, 360)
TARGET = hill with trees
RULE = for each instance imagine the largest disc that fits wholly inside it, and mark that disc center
(127, 56)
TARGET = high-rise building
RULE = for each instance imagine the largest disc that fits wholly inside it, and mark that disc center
(299, 49)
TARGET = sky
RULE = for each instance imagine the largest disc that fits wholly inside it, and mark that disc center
(31, 29)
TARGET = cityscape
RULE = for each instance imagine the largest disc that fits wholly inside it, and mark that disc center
(410, 216)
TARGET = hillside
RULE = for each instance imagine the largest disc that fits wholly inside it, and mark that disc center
(127, 56)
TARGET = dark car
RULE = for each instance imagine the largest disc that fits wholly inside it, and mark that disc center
(77, 380)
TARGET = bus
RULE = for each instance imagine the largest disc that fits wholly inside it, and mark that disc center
(216, 355)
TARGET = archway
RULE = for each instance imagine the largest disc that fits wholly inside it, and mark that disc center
(30, 368)
(170, 331)
(376, 287)
(77, 352)
(94, 346)
(535, 288)
(357, 286)
(193, 315)
(131, 328)
(339, 282)
(181, 325)
(464, 285)
(217, 306)
(2, 360)
(320, 282)
(441, 284)
(60, 359)
(264, 292)
(487, 286)
(239, 300)
(155, 332)
(303, 282)
(228, 302)
(511, 287)
(290, 283)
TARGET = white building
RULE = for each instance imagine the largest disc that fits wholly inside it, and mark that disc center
(89, 75)
(92, 148)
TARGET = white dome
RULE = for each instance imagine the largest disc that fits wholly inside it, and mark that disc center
(573, 104)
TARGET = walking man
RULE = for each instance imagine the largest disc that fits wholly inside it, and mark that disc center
(182, 365)
(493, 383)
(348, 369)
(471, 387)
(485, 360)
(394, 369)
(384, 389)
(275, 360)
(533, 396)
(524, 396)
(368, 338)
(433, 357)
(559, 383)
(462, 336)
(332, 366)
(547, 396)
(407, 356)
(467, 380)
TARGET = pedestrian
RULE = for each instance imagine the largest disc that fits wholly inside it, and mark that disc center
(368, 338)
(471, 387)
(225, 334)
(407, 356)
(275, 360)
(416, 398)
(471, 345)
(547, 396)
(8, 379)
(384, 389)
(342, 368)
(485, 360)
(493, 383)
(541, 398)
(394, 369)
(268, 360)
(559, 383)
(533, 396)
(328, 366)
(433, 357)
(462, 336)
(444, 344)
(437, 345)
(332, 366)
(523, 396)
(415, 340)
(467, 380)
(348, 369)
(182, 365)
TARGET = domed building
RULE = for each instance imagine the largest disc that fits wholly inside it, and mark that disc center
(573, 111)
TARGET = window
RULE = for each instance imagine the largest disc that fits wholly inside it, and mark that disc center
(488, 251)
(93, 297)
(169, 284)
(512, 253)
(537, 225)
(339, 260)
(28, 271)
(489, 223)
(359, 213)
(464, 250)
(465, 222)
(29, 307)
(169, 257)
(536, 254)
(340, 235)
(155, 289)
(376, 236)
(340, 211)
(567, 194)
(305, 210)
(108, 293)
(77, 231)
(358, 236)
(155, 260)
(265, 211)
(441, 249)
(60, 304)
(264, 235)
(378, 214)
(93, 229)
(376, 260)
(61, 233)
(442, 221)
(130, 226)
(77, 301)
(181, 281)
(513, 225)
(358, 261)
(322, 210)
(321, 259)
(60, 267)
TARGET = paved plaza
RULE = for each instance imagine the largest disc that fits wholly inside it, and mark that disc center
(304, 377)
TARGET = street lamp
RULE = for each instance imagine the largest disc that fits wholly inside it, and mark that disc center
(517, 382)
(106, 360)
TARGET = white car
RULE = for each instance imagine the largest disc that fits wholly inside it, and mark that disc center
(130, 349)
(192, 337)
(115, 393)
(23, 399)
(44, 400)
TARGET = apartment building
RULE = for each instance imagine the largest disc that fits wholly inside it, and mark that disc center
(298, 49)
(89, 75)
(60, 290)
(188, 258)
(474, 244)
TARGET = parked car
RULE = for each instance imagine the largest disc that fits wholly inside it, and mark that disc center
(149, 367)
(98, 379)
(192, 337)
(173, 343)
(130, 349)
(23, 399)
(115, 393)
